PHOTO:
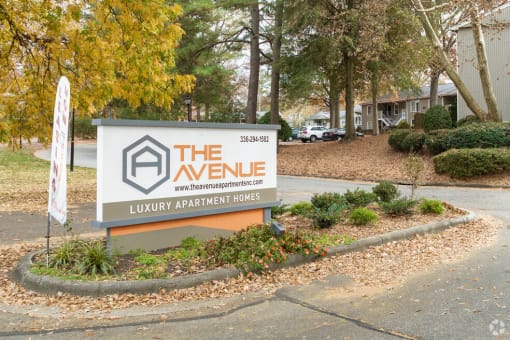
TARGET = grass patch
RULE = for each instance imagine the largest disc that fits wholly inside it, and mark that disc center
(24, 179)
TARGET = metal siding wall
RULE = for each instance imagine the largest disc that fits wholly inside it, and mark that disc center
(498, 54)
(498, 50)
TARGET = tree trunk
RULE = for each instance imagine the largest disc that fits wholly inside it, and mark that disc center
(375, 114)
(483, 66)
(434, 84)
(275, 64)
(349, 97)
(253, 84)
(449, 68)
(334, 103)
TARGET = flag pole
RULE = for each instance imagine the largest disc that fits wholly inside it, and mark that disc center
(48, 241)
(71, 163)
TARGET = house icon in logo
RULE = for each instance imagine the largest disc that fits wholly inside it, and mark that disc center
(145, 164)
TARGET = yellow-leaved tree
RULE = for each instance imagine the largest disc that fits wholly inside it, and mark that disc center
(106, 48)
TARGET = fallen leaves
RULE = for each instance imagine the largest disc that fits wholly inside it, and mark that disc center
(367, 158)
(379, 266)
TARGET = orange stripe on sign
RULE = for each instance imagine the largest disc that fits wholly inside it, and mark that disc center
(229, 221)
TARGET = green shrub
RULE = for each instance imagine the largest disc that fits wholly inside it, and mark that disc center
(403, 124)
(285, 130)
(83, 127)
(437, 118)
(64, 256)
(362, 216)
(301, 208)
(435, 141)
(386, 191)
(413, 142)
(278, 210)
(147, 259)
(95, 259)
(191, 243)
(255, 248)
(465, 163)
(359, 198)
(324, 200)
(469, 119)
(327, 217)
(431, 207)
(396, 138)
(479, 135)
(398, 207)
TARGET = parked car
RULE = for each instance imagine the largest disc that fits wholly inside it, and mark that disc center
(337, 134)
(333, 134)
(311, 133)
(294, 135)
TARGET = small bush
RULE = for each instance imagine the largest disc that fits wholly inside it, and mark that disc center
(396, 138)
(482, 135)
(413, 142)
(328, 217)
(64, 255)
(359, 198)
(403, 124)
(279, 210)
(285, 130)
(435, 141)
(386, 191)
(327, 199)
(466, 163)
(469, 119)
(95, 259)
(437, 118)
(414, 167)
(362, 216)
(301, 208)
(398, 207)
(431, 207)
(255, 248)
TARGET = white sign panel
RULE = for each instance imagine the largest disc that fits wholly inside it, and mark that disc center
(57, 203)
(157, 171)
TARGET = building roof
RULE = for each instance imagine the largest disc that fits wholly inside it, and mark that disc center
(443, 90)
(324, 115)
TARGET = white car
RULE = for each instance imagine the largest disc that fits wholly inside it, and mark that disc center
(311, 133)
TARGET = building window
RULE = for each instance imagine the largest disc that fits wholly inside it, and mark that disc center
(369, 110)
(369, 125)
(357, 120)
(415, 106)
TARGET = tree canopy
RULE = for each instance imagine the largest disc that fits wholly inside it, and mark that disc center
(107, 49)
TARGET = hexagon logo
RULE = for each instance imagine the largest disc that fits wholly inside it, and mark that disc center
(145, 164)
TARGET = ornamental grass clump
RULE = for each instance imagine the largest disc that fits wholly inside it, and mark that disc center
(78, 257)
(362, 216)
(359, 198)
(399, 207)
(428, 206)
(328, 217)
(301, 209)
(95, 259)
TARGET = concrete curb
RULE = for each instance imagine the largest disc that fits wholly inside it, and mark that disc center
(52, 286)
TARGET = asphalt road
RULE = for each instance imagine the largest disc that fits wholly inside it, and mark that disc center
(466, 300)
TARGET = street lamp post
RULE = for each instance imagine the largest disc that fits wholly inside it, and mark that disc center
(187, 100)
